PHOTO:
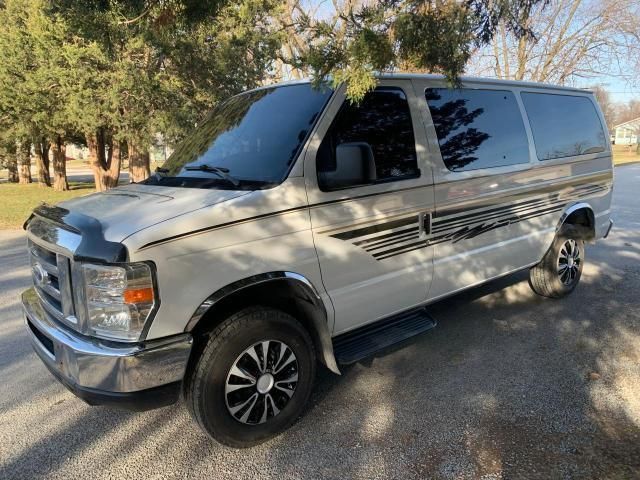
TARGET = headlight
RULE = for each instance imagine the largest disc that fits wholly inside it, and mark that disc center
(120, 299)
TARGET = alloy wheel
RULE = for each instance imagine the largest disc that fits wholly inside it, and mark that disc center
(261, 382)
(569, 261)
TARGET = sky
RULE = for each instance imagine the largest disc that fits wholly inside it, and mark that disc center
(620, 89)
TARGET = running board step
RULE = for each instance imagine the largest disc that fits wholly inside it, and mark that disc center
(365, 341)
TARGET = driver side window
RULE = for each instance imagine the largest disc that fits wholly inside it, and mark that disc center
(369, 142)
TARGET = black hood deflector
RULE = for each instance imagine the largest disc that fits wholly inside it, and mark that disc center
(93, 246)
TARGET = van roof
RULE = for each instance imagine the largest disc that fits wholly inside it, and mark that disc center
(486, 80)
(463, 79)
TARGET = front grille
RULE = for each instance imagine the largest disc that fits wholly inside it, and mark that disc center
(51, 274)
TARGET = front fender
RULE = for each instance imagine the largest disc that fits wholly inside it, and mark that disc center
(313, 307)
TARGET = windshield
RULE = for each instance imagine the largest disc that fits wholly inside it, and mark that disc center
(250, 140)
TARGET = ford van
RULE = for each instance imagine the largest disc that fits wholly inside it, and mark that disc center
(295, 228)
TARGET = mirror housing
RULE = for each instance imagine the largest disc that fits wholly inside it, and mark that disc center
(355, 165)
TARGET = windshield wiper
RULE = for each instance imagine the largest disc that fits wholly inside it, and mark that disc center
(220, 171)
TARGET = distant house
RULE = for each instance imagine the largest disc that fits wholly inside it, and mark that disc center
(627, 133)
(77, 152)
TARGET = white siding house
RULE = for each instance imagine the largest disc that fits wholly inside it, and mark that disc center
(627, 133)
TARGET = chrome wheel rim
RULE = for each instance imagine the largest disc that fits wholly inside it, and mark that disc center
(569, 262)
(261, 382)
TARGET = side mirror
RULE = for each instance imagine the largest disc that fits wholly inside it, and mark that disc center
(355, 165)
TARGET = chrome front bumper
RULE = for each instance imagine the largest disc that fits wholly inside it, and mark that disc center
(136, 376)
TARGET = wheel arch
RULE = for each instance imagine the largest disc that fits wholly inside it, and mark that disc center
(579, 220)
(288, 291)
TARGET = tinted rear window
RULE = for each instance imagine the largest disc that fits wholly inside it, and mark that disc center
(563, 126)
(478, 128)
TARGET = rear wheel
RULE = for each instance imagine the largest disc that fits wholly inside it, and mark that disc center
(560, 270)
(253, 378)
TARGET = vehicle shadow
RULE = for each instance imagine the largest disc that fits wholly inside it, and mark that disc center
(509, 385)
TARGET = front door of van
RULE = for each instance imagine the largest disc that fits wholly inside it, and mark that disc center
(371, 196)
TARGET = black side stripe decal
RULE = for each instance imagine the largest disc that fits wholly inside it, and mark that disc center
(457, 228)
(443, 221)
(387, 235)
(603, 175)
(469, 232)
(273, 214)
(361, 232)
(556, 199)
(414, 236)
(585, 190)
(598, 178)
(215, 227)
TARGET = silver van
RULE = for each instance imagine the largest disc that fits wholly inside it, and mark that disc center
(295, 227)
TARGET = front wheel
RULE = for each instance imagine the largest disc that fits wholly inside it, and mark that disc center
(253, 378)
(559, 272)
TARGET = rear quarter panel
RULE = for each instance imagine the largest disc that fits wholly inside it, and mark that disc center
(529, 200)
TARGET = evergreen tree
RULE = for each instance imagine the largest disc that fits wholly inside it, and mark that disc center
(158, 69)
(36, 61)
(436, 36)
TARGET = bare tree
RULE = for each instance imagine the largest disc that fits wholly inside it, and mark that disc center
(628, 111)
(608, 107)
(293, 44)
(572, 40)
(297, 19)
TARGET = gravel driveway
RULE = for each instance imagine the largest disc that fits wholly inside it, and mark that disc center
(509, 385)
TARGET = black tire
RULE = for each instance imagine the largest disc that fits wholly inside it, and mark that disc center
(228, 344)
(547, 278)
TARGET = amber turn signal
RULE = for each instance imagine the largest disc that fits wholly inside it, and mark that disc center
(138, 295)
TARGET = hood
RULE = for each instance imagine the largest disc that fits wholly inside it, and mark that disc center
(128, 209)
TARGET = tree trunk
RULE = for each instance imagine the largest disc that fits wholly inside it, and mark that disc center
(12, 164)
(12, 167)
(23, 156)
(139, 162)
(60, 182)
(105, 159)
(115, 162)
(92, 144)
(42, 161)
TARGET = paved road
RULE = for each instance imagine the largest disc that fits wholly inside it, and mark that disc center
(509, 385)
(84, 175)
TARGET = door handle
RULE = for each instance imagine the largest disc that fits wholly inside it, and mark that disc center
(424, 225)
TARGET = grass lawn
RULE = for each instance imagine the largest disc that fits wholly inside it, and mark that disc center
(19, 200)
(74, 164)
(623, 154)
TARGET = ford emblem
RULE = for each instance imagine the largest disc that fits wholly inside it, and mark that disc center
(40, 275)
